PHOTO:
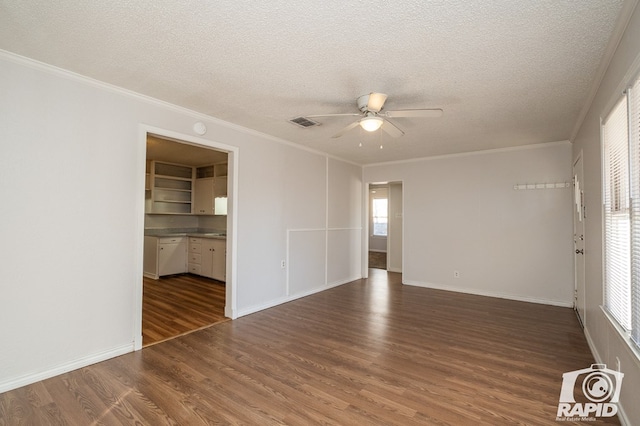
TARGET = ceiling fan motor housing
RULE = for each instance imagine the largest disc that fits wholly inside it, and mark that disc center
(362, 102)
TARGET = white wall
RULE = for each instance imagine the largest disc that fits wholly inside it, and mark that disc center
(71, 180)
(461, 213)
(606, 342)
(344, 210)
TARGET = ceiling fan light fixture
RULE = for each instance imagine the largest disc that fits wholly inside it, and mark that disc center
(371, 124)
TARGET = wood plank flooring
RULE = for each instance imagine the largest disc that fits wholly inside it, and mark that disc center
(371, 352)
(377, 260)
(178, 304)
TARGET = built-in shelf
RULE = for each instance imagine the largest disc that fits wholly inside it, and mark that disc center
(171, 188)
(179, 189)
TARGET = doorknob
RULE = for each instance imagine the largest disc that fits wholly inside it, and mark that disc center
(579, 251)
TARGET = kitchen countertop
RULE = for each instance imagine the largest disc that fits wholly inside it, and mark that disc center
(166, 234)
(208, 235)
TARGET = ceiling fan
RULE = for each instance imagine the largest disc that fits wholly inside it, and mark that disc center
(373, 118)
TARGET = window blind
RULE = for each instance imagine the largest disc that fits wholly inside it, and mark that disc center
(634, 148)
(617, 250)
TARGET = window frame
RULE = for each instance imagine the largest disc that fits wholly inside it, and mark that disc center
(630, 90)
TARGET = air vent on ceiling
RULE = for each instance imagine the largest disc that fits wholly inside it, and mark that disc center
(304, 122)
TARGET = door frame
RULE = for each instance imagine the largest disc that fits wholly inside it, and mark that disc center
(230, 309)
(579, 288)
(392, 233)
(366, 219)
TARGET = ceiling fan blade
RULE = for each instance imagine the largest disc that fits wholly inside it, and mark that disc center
(427, 113)
(346, 129)
(376, 101)
(347, 114)
(391, 129)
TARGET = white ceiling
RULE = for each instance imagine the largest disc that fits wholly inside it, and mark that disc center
(506, 73)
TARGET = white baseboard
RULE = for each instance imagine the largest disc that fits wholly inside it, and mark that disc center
(341, 282)
(28, 379)
(622, 416)
(490, 294)
(285, 299)
(261, 307)
(592, 346)
(378, 251)
(228, 312)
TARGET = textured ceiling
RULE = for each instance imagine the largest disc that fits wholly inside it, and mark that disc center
(506, 73)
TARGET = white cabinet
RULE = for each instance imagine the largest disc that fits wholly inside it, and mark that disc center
(150, 257)
(220, 189)
(210, 190)
(207, 257)
(172, 256)
(218, 259)
(195, 255)
(203, 196)
(164, 256)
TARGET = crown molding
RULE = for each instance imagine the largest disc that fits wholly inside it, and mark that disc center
(616, 36)
(70, 75)
(474, 153)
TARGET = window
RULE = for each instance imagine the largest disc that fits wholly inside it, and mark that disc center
(621, 193)
(634, 144)
(617, 220)
(380, 216)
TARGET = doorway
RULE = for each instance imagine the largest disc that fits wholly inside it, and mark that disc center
(175, 305)
(579, 216)
(179, 302)
(385, 224)
(167, 211)
(378, 225)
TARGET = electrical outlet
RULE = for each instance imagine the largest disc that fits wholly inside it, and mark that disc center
(456, 274)
(282, 264)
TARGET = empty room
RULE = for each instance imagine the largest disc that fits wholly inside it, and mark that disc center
(384, 213)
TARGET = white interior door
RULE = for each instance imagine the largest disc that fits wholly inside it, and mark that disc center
(579, 238)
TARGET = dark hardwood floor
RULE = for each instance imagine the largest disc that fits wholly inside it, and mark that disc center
(377, 260)
(371, 352)
(178, 304)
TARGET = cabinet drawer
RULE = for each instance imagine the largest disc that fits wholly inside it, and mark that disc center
(171, 240)
(195, 258)
(194, 248)
(194, 269)
(195, 240)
